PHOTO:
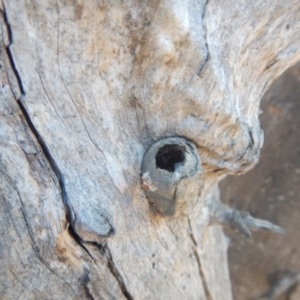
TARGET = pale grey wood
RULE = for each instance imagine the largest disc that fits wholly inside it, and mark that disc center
(40, 259)
(98, 82)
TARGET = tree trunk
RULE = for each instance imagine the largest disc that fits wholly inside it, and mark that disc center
(87, 88)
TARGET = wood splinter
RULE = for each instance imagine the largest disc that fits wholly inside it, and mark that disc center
(240, 220)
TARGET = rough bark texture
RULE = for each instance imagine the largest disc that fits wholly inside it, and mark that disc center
(87, 88)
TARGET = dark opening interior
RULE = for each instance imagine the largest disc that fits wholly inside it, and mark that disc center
(170, 157)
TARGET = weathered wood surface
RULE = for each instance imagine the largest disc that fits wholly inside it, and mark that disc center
(87, 87)
(273, 194)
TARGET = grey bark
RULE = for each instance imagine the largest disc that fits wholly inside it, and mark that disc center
(87, 87)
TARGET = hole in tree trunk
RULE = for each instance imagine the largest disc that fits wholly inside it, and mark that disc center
(170, 157)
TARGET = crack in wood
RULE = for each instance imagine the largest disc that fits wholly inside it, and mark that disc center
(197, 257)
(114, 271)
(38, 137)
(51, 161)
(9, 53)
(86, 281)
(105, 252)
(206, 43)
(69, 212)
